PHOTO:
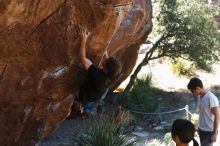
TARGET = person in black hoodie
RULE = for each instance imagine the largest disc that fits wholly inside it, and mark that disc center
(98, 79)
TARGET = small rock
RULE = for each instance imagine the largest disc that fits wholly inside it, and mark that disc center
(138, 128)
(141, 134)
(158, 128)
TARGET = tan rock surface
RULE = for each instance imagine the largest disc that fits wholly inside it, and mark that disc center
(39, 65)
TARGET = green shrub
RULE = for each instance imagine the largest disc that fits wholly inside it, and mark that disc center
(142, 97)
(155, 142)
(168, 139)
(182, 68)
(105, 132)
(125, 118)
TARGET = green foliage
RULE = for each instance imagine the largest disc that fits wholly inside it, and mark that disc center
(125, 118)
(182, 68)
(105, 132)
(188, 32)
(142, 97)
(155, 142)
(168, 139)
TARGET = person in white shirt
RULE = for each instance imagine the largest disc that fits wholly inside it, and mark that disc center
(208, 112)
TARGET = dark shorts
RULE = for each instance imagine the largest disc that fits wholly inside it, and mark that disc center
(205, 138)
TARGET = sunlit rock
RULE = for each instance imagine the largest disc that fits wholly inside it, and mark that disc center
(40, 73)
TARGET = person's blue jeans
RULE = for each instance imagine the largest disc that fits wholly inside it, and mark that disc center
(205, 138)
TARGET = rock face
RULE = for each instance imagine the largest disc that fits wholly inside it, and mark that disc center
(40, 73)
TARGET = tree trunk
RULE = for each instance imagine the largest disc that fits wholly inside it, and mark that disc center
(144, 62)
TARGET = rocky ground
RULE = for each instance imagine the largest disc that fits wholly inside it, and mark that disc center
(72, 129)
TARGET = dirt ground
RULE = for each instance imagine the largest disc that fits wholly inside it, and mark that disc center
(72, 129)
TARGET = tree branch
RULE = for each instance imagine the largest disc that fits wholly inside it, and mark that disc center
(144, 62)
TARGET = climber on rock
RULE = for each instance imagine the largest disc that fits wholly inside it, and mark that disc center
(98, 79)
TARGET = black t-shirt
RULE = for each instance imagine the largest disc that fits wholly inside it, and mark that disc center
(95, 84)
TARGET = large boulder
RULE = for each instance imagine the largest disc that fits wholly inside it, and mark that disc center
(40, 72)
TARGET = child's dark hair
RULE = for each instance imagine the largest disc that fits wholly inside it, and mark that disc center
(185, 130)
(113, 66)
(194, 82)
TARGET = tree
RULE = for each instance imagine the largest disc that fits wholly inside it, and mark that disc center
(186, 31)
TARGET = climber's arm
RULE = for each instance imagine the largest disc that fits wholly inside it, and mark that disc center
(82, 53)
